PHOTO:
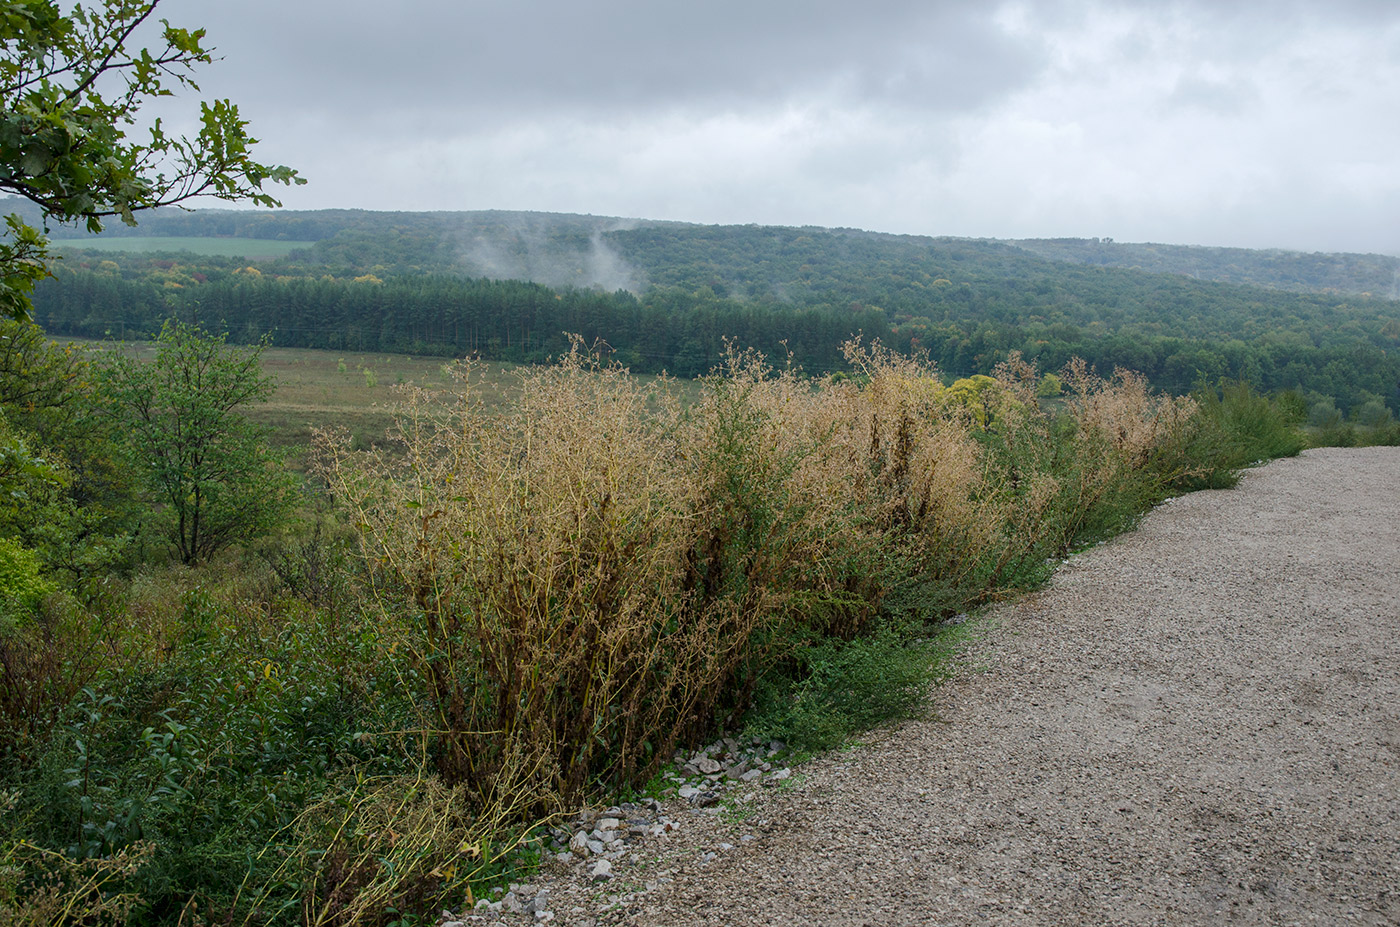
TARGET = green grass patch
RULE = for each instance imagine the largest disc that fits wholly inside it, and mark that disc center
(845, 687)
(252, 248)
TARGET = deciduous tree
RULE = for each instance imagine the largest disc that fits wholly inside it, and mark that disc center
(210, 470)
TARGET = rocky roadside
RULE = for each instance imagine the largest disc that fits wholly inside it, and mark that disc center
(606, 859)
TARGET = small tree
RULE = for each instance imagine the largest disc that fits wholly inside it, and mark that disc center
(211, 471)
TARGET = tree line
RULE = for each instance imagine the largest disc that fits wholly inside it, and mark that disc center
(498, 320)
(1176, 332)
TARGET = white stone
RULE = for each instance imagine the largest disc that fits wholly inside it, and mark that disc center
(579, 843)
(538, 904)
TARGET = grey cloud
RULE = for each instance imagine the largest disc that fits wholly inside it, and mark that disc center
(488, 59)
(1220, 97)
(1167, 121)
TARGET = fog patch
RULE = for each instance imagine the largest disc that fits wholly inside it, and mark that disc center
(554, 253)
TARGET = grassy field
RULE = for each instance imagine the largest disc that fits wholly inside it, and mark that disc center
(356, 391)
(219, 247)
(325, 389)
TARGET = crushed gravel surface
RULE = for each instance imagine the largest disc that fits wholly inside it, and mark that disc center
(1195, 723)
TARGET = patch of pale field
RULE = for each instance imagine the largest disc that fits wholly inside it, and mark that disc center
(358, 391)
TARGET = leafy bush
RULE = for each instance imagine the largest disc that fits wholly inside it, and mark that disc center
(44, 888)
(844, 687)
(44, 663)
(1236, 427)
(209, 745)
(22, 587)
(209, 472)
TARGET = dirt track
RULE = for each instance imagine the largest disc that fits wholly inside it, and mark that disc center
(1197, 723)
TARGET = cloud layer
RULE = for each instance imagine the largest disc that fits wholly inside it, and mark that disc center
(1244, 123)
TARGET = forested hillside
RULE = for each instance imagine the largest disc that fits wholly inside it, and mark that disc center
(531, 244)
(1368, 274)
(667, 295)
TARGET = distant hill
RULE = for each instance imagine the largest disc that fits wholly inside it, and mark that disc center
(1369, 274)
(667, 295)
(562, 249)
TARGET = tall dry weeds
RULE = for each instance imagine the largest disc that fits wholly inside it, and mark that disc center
(400, 844)
(1126, 450)
(532, 566)
(921, 471)
(597, 575)
(1124, 413)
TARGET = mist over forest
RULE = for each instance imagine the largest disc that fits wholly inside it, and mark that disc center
(667, 296)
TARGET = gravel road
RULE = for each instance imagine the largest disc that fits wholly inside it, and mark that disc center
(1196, 723)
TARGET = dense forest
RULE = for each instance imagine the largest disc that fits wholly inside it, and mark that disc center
(1366, 274)
(668, 295)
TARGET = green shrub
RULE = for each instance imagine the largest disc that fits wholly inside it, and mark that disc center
(44, 888)
(1236, 427)
(22, 587)
(207, 749)
(843, 688)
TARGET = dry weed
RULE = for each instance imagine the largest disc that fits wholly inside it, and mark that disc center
(43, 888)
(596, 575)
(405, 844)
(529, 564)
(1124, 413)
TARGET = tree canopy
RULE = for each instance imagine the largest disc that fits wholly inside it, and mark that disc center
(72, 85)
(198, 456)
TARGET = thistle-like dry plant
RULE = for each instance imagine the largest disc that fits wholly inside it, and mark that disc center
(597, 575)
(534, 566)
(1124, 413)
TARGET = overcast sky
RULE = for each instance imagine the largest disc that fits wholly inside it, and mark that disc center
(1257, 124)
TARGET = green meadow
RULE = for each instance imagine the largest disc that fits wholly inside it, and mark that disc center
(214, 247)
